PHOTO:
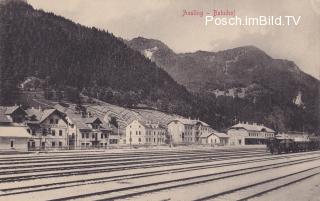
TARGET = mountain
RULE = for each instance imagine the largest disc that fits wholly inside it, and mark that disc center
(258, 87)
(65, 59)
(68, 55)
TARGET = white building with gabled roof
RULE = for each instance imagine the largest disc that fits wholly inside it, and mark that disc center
(14, 138)
(249, 134)
(48, 129)
(139, 132)
(187, 131)
(215, 138)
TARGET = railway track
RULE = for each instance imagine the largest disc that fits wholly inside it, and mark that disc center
(257, 189)
(52, 186)
(137, 175)
(136, 191)
(108, 167)
(99, 159)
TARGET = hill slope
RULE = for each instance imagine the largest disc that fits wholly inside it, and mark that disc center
(257, 86)
(95, 62)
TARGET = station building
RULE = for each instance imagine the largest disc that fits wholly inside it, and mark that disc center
(249, 134)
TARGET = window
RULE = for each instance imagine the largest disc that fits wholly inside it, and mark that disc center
(51, 121)
(60, 132)
(82, 135)
(136, 132)
(57, 121)
(87, 135)
(53, 132)
(60, 144)
(44, 131)
(102, 136)
(139, 139)
(139, 133)
(11, 143)
(53, 144)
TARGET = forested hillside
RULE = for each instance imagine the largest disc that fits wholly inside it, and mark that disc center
(94, 62)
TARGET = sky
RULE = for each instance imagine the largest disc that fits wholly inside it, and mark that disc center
(164, 20)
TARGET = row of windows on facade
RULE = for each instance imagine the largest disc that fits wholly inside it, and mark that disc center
(187, 133)
(188, 139)
(54, 121)
(94, 135)
(43, 144)
(112, 141)
(149, 140)
(154, 140)
(47, 131)
(260, 134)
(148, 133)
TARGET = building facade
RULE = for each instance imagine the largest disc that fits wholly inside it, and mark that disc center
(145, 133)
(48, 129)
(215, 138)
(187, 131)
(91, 132)
(249, 134)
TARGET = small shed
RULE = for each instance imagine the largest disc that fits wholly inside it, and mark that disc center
(215, 138)
(14, 138)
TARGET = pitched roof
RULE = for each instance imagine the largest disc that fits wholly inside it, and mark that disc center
(221, 135)
(17, 132)
(189, 121)
(91, 120)
(40, 115)
(80, 123)
(205, 135)
(5, 119)
(148, 124)
(47, 113)
(252, 127)
(9, 110)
